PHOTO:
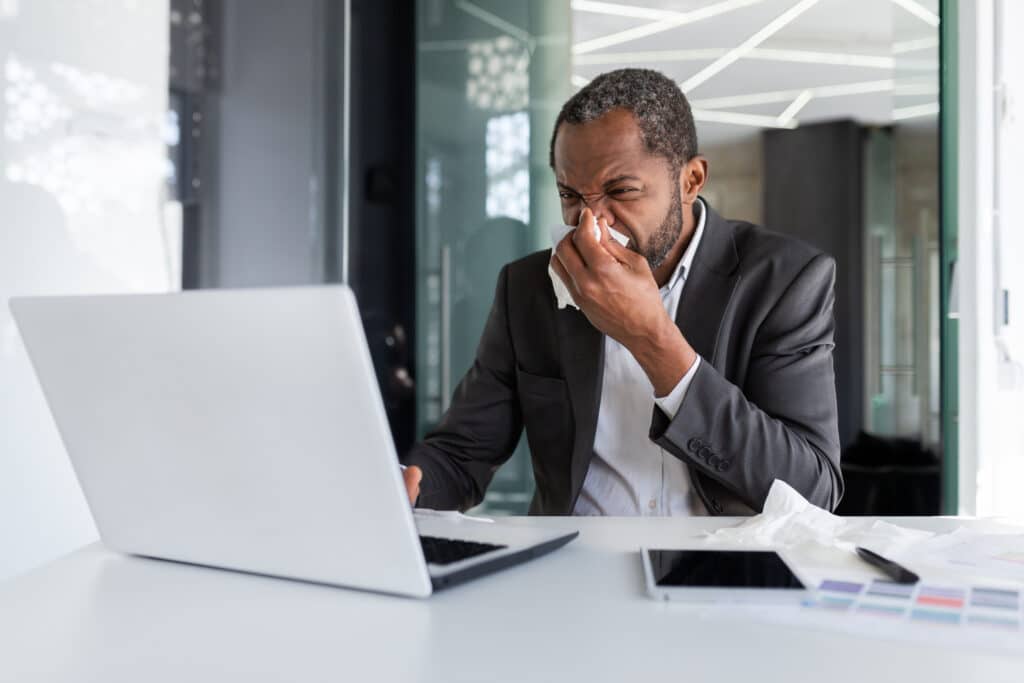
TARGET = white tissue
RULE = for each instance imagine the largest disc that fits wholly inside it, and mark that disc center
(788, 520)
(558, 232)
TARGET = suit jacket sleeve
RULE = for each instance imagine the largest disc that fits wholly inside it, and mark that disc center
(482, 426)
(782, 423)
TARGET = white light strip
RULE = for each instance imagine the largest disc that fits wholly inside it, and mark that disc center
(708, 116)
(493, 20)
(747, 45)
(812, 57)
(579, 81)
(916, 89)
(861, 88)
(764, 54)
(618, 10)
(906, 46)
(904, 113)
(660, 26)
(691, 55)
(773, 96)
(789, 115)
(747, 100)
(919, 11)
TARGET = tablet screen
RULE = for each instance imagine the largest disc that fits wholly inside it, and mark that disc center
(722, 569)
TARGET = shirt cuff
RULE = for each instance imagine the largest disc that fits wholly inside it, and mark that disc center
(670, 404)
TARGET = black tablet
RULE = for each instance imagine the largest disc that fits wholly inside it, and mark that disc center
(720, 575)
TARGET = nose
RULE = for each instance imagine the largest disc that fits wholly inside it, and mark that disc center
(596, 203)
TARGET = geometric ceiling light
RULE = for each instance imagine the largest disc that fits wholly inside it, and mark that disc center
(915, 112)
(906, 46)
(747, 45)
(673, 20)
(788, 117)
(866, 61)
(738, 119)
(919, 11)
(824, 91)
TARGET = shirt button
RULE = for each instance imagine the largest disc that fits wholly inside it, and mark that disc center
(653, 504)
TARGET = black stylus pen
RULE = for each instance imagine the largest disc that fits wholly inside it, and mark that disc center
(895, 571)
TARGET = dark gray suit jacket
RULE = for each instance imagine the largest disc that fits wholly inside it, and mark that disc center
(757, 307)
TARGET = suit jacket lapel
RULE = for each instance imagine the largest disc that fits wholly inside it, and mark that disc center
(709, 286)
(582, 352)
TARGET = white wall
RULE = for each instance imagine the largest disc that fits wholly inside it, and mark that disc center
(81, 195)
(1002, 473)
(991, 249)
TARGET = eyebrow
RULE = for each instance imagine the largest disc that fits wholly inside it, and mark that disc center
(607, 183)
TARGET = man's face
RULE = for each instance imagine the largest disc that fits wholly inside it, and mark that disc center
(603, 164)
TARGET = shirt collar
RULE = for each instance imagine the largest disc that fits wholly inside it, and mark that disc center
(683, 268)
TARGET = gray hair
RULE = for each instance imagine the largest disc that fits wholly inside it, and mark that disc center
(654, 99)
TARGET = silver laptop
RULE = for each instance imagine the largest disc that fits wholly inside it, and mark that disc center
(244, 429)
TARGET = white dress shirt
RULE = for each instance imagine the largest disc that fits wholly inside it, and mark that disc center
(630, 474)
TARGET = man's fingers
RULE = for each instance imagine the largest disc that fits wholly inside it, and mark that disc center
(568, 254)
(566, 278)
(589, 243)
(586, 219)
(413, 476)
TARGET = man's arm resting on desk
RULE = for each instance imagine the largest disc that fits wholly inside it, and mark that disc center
(783, 423)
(482, 426)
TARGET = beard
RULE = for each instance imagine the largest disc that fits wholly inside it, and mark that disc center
(667, 234)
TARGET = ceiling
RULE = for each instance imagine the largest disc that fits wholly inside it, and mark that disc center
(747, 65)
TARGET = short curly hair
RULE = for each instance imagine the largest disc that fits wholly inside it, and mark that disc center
(659, 106)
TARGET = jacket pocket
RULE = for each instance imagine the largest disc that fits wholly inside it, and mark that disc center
(537, 386)
(547, 417)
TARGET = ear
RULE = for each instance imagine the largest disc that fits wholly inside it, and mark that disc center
(692, 178)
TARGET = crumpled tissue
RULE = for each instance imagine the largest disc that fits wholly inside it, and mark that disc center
(788, 521)
(563, 297)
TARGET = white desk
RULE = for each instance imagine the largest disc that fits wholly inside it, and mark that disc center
(579, 614)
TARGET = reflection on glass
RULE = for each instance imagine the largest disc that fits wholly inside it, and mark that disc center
(508, 166)
(485, 72)
(88, 140)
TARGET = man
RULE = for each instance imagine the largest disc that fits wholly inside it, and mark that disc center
(698, 368)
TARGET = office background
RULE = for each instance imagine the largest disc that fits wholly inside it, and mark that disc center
(402, 147)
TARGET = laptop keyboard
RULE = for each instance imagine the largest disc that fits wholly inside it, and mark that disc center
(448, 550)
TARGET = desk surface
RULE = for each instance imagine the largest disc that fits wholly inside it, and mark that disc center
(579, 614)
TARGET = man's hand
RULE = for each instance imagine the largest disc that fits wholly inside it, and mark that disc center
(615, 289)
(613, 286)
(412, 475)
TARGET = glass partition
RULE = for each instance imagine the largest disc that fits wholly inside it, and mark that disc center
(491, 76)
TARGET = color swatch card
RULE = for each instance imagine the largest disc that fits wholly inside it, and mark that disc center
(977, 606)
(986, 617)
